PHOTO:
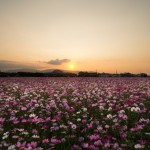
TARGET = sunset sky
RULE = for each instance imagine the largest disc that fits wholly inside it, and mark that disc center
(87, 35)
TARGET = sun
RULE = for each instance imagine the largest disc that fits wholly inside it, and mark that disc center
(71, 66)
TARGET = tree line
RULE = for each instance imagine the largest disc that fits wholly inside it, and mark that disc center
(59, 73)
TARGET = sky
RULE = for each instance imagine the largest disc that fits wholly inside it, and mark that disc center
(87, 35)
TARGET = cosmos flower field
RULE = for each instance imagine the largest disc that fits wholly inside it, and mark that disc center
(74, 113)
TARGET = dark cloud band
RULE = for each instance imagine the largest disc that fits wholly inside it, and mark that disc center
(10, 65)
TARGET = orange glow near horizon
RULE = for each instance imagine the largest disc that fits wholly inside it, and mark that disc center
(71, 66)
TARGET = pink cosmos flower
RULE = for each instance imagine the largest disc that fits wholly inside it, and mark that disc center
(2, 120)
(94, 137)
(107, 144)
(89, 125)
(19, 144)
(23, 108)
(97, 143)
(45, 141)
(51, 91)
(23, 121)
(123, 135)
(32, 144)
(73, 126)
(54, 140)
(85, 145)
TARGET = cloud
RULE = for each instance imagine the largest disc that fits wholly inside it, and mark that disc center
(58, 61)
(11, 65)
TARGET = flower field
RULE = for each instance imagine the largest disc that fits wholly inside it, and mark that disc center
(74, 113)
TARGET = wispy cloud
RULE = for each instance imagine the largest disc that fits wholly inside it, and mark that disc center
(58, 61)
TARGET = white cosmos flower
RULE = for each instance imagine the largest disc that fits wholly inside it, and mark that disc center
(106, 126)
(5, 137)
(121, 111)
(84, 109)
(115, 120)
(135, 109)
(138, 146)
(70, 123)
(36, 105)
(20, 130)
(78, 119)
(109, 109)
(25, 133)
(101, 107)
(109, 116)
(63, 139)
(36, 136)
(147, 133)
(11, 147)
(32, 115)
(6, 133)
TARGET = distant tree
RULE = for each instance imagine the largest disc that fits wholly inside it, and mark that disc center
(127, 75)
(143, 75)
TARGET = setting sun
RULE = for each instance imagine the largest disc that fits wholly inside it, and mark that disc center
(71, 66)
